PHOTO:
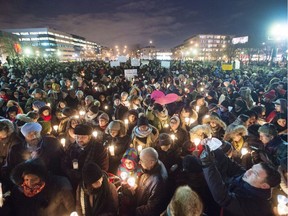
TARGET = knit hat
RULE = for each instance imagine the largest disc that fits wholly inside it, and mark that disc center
(225, 104)
(68, 111)
(165, 139)
(142, 120)
(12, 109)
(30, 127)
(212, 93)
(133, 112)
(253, 130)
(114, 125)
(94, 109)
(104, 116)
(191, 164)
(34, 166)
(42, 109)
(116, 96)
(91, 173)
(268, 129)
(270, 95)
(38, 104)
(132, 155)
(82, 129)
(158, 107)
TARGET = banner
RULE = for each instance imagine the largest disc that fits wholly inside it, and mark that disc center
(227, 67)
(144, 62)
(165, 64)
(130, 73)
(114, 63)
(135, 62)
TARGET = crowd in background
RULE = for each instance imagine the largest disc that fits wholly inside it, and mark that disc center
(81, 137)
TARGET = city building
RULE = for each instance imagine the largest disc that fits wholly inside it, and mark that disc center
(203, 47)
(51, 42)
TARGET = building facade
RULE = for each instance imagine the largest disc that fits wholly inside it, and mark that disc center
(50, 42)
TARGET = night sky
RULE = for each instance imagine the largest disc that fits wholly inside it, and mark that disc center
(166, 22)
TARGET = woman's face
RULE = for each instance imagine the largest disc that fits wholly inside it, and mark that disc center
(213, 124)
(237, 138)
(73, 123)
(62, 105)
(114, 133)
(46, 113)
(131, 118)
(282, 122)
(277, 107)
(129, 164)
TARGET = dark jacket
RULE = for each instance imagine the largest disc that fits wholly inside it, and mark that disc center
(55, 199)
(119, 112)
(180, 134)
(237, 197)
(276, 150)
(151, 192)
(49, 150)
(93, 152)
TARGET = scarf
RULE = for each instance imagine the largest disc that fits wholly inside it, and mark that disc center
(94, 203)
(238, 145)
(46, 118)
(141, 133)
(30, 192)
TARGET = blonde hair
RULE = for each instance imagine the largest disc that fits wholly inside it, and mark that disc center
(185, 202)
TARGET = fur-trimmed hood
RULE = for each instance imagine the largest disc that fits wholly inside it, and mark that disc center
(117, 125)
(230, 132)
(200, 131)
(10, 125)
(218, 121)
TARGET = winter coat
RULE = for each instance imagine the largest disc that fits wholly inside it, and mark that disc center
(55, 199)
(93, 152)
(238, 198)
(180, 134)
(148, 141)
(276, 150)
(151, 198)
(119, 112)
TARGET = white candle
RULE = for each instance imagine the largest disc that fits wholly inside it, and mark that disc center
(55, 127)
(197, 108)
(126, 121)
(63, 141)
(244, 151)
(76, 116)
(112, 150)
(131, 181)
(124, 175)
(173, 137)
(139, 148)
(48, 104)
(187, 120)
(75, 164)
(166, 125)
(1, 195)
(197, 141)
(74, 213)
(82, 112)
(95, 133)
(106, 107)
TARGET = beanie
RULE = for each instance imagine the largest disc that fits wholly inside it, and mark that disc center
(116, 96)
(158, 107)
(225, 104)
(191, 164)
(212, 93)
(104, 116)
(114, 125)
(42, 109)
(39, 104)
(30, 127)
(268, 129)
(133, 112)
(142, 120)
(131, 154)
(82, 129)
(164, 139)
(91, 173)
(94, 109)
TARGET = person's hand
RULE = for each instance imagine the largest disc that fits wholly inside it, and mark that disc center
(207, 157)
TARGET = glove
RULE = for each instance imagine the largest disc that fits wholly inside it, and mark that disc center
(207, 157)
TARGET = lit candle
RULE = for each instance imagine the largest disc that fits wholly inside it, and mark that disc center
(201, 89)
(197, 108)
(168, 85)
(81, 112)
(206, 116)
(187, 120)
(197, 141)
(126, 121)
(131, 181)
(48, 104)
(173, 137)
(55, 127)
(166, 125)
(244, 151)
(139, 148)
(74, 213)
(1, 195)
(63, 141)
(76, 116)
(192, 120)
(112, 150)
(106, 107)
(95, 133)
(124, 175)
(282, 207)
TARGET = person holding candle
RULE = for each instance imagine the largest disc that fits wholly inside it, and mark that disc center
(158, 116)
(99, 130)
(92, 115)
(144, 134)
(95, 195)
(38, 192)
(67, 112)
(85, 149)
(217, 126)
(188, 117)
(200, 106)
(132, 117)
(117, 142)
(119, 110)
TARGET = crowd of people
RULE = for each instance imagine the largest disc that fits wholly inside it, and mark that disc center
(80, 138)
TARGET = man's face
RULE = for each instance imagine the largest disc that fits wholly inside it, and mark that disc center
(102, 122)
(264, 138)
(31, 180)
(37, 95)
(146, 162)
(256, 176)
(33, 138)
(82, 140)
(117, 102)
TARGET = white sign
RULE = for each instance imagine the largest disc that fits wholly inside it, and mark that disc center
(237, 64)
(240, 40)
(165, 64)
(122, 58)
(135, 62)
(130, 73)
(114, 63)
(144, 62)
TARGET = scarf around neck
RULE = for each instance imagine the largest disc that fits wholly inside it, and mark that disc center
(30, 192)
